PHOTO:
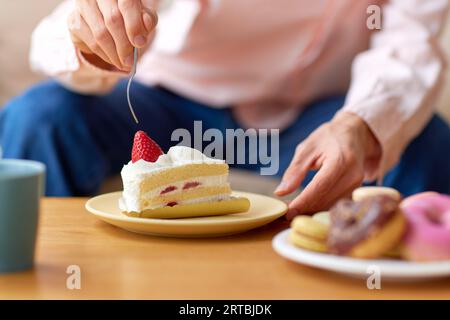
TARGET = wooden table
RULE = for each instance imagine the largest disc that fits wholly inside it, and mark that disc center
(117, 264)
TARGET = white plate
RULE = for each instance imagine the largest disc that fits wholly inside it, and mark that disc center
(263, 210)
(389, 269)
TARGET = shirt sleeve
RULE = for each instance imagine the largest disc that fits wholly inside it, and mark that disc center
(395, 83)
(53, 54)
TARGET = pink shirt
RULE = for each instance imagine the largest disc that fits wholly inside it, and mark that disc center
(269, 59)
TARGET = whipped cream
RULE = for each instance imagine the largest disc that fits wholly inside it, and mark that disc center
(134, 173)
(176, 156)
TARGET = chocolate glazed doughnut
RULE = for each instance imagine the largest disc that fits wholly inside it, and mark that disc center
(366, 228)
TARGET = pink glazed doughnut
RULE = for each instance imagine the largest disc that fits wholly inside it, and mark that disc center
(428, 227)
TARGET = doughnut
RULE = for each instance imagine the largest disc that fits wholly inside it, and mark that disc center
(395, 252)
(310, 227)
(428, 219)
(308, 243)
(367, 228)
(368, 192)
(308, 233)
(323, 217)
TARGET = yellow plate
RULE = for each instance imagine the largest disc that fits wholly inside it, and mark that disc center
(263, 210)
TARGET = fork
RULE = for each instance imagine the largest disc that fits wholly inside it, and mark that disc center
(130, 80)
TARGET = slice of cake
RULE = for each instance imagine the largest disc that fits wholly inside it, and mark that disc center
(181, 183)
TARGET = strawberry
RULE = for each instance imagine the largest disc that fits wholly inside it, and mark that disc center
(145, 148)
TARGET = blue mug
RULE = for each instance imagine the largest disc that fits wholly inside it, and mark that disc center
(21, 187)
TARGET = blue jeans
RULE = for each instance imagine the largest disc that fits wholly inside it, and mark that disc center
(83, 139)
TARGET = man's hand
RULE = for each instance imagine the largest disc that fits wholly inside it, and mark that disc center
(109, 29)
(340, 150)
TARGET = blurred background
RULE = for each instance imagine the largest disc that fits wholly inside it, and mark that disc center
(18, 19)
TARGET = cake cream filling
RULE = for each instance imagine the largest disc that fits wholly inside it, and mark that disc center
(208, 181)
(133, 174)
(129, 208)
(131, 198)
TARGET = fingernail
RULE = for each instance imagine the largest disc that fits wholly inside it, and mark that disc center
(129, 60)
(139, 41)
(281, 187)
